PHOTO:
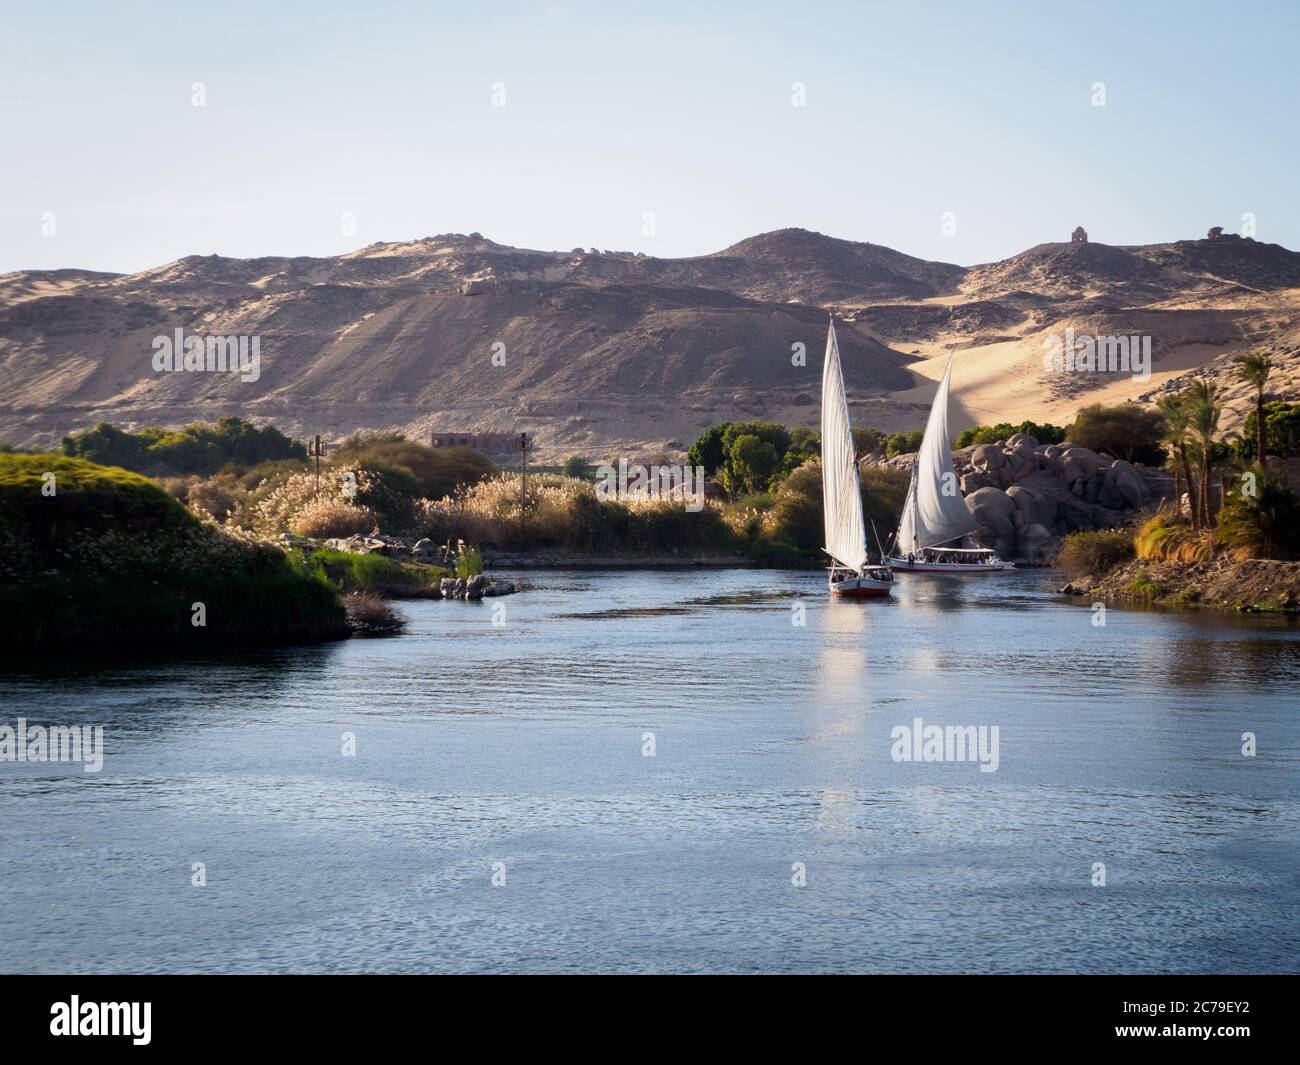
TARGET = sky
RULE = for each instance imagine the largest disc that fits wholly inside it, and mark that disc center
(962, 132)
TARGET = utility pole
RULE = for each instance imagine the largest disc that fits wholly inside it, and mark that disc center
(316, 448)
(523, 484)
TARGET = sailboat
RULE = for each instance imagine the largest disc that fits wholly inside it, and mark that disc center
(935, 517)
(846, 542)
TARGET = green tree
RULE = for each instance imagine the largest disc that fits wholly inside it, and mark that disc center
(1254, 368)
(709, 450)
(989, 434)
(1281, 426)
(1177, 425)
(575, 466)
(1263, 525)
(713, 450)
(192, 449)
(751, 464)
(1203, 412)
(868, 441)
(107, 445)
(805, 444)
(905, 442)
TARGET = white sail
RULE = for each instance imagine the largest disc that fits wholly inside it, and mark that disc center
(935, 512)
(846, 541)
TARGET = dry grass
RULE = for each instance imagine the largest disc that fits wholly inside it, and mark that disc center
(1164, 537)
(326, 518)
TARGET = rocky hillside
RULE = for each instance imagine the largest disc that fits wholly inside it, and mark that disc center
(602, 351)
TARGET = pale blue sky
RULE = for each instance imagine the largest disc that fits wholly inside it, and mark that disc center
(384, 109)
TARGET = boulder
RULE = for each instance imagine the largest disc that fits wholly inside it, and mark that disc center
(358, 545)
(987, 457)
(1079, 463)
(1035, 508)
(1127, 486)
(995, 514)
(975, 480)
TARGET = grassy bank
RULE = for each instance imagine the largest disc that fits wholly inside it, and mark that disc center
(769, 515)
(93, 557)
(1167, 561)
(388, 578)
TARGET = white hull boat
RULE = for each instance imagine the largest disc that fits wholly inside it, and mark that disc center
(874, 582)
(935, 516)
(979, 562)
(851, 575)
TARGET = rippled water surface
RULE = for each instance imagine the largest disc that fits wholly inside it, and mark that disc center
(521, 744)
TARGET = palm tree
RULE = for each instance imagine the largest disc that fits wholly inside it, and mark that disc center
(1254, 367)
(1203, 410)
(1177, 421)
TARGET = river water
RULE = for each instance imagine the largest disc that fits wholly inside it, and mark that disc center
(665, 771)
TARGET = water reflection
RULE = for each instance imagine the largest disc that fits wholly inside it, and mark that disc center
(524, 743)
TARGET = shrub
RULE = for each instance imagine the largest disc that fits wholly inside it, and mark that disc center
(298, 497)
(469, 561)
(215, 497)
(905, 442)
(575, 466)
(868, 441)
(1265, 525)
(884, 492)
(1127, 431)
(326, 518)
(349, 571)
(1142, 586)
(796, 515)
(1095, 553)
(369, 615)
(564, 512)
(87, 499)
(414, 468)
(111, 559)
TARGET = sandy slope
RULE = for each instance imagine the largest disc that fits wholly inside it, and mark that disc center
(615, 352)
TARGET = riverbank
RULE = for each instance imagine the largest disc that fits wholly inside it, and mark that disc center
(1251, 586)
(95, 558)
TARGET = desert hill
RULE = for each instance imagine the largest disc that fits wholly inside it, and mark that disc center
(601, 351)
